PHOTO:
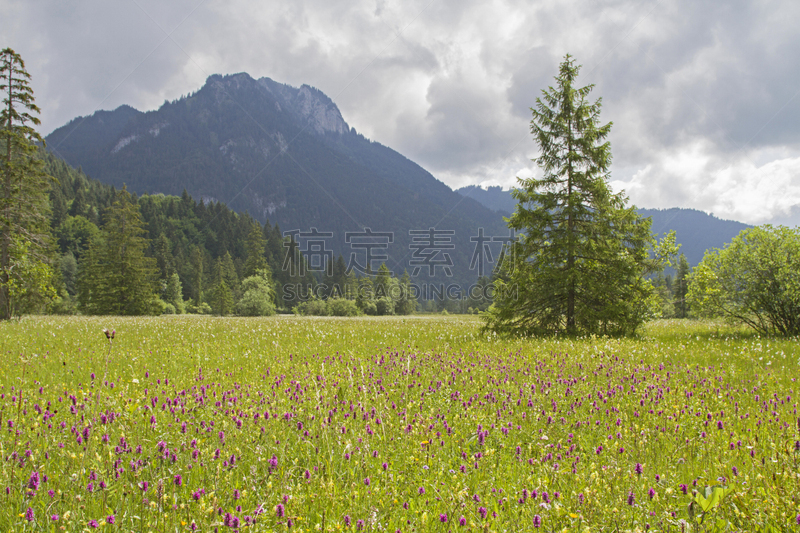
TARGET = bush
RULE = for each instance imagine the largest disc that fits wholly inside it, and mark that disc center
(369, 307)
(158, 307)
(168, 309)
(63, 304)
(754, 280)
(311, 308)
(384, 306)
(202, 309)
(342, 307)
(255, 303)
(257, 297)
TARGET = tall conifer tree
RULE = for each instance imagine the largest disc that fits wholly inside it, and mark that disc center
(116, 278)
(579, 264)
(24, 202)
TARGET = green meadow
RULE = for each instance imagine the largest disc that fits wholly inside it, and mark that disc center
(393, 424)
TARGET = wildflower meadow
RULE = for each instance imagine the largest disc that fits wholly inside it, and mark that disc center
(393, 424)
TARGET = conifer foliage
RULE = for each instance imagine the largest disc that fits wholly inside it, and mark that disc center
(116, 276)
(579, 263)
(24, 202)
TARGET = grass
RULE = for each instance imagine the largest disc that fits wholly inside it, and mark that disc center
(385, 424)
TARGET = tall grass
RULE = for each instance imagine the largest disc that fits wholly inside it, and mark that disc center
(386, 424)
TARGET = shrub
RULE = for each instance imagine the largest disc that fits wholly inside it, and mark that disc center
(384, 306)
(342, 307)
(754, 280)
(311, 308)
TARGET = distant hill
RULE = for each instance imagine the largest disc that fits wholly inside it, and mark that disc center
(495, 198)
(282, 154)
(696, 231)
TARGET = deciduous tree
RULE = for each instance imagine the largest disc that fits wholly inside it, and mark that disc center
(754, 280)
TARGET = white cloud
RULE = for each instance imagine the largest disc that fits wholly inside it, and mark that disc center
(739, 189)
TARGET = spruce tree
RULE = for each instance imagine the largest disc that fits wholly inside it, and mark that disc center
(255, 247)
(24, 201)
(682, 288)
(116, 277)
(579, 262)
(164, 259)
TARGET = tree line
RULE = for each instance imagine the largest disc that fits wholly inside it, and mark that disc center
(585, 262)
(123, 254)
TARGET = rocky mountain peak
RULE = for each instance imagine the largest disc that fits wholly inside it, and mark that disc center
(309, 105)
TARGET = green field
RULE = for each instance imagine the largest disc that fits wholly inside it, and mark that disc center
(386, 424)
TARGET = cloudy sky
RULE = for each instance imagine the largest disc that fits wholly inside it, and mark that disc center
(704, 96)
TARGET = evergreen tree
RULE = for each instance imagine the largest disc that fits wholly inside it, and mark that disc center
(365, 300)
(351, 286)
(69, 272)
(59, 207)
(578, 265)
(75, 234)
(682, 288)
(382, 281)
(173, 293)
(163, 255)
(116, 278)
(338, 281)
(255, 246)
(197, 278)
(224, 270)
(24, 201)
(78, 207)
(407, 303)
(222, 299)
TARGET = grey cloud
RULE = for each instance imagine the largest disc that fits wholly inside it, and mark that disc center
(448, 84)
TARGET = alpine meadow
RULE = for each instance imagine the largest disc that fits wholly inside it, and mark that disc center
(399, 357)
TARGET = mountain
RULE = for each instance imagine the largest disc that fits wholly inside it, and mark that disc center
(286, 155)
(495, 198)
(695, 230)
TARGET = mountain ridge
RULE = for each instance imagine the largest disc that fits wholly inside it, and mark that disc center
(695, 230)
(280, 153)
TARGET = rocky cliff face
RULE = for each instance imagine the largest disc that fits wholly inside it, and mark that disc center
(311, 106)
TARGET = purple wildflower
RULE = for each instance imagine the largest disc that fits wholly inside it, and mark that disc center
(33, 482)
